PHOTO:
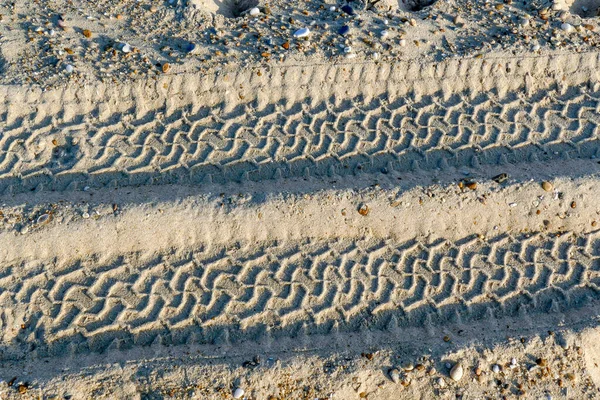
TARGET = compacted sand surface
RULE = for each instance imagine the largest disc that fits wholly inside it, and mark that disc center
(314, 200)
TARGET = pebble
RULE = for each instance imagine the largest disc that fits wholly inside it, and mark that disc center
(402, 42)
(441, 382)
(495, 368)
(567, 27)
(547, 186)
(238, 393)
(69, 68)
(456, 373)
(536, 47)
(364, 210)
(394, 375)
(126, 48)
(302, 32)
(385, 34)
(332, 8)
(254, 11)
(344, 30)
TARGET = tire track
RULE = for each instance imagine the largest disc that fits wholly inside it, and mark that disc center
(278, 289)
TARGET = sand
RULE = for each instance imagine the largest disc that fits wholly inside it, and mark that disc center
(194, 201)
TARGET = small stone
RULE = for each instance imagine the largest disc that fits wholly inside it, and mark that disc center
(286, 45)
(456, 373)
(126, 48)
(441, 382)
(238, 393)
(363, 210)
(166, 67)
(547, 186)
(69, 69)
(402, 42)
(458, 20)
(478, 371)
(394, 375)
(573, 204)
(302, 32)
(87, 33)
(384, 34)
(495, 368)
(254, 12)
(344, 30)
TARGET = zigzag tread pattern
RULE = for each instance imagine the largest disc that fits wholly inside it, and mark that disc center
(280, 289)
(299, 138)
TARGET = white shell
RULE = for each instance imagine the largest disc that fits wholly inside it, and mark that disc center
(567, 27)
(394, 375)
(238, 393)
(457, 372)
(302, 32)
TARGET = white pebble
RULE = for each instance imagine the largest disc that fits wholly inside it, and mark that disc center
(567, 27)
(384, 34)
(403, 42)
(69, 68)
(495, 368)
(441, 382)
(351, 55)
(513, 361)
(395, 375)
(536, 47)
(126, 48)
(347, 49)
(332, 8)
(302, 32)
(456, 373)
(238, 393)
(254, 11)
